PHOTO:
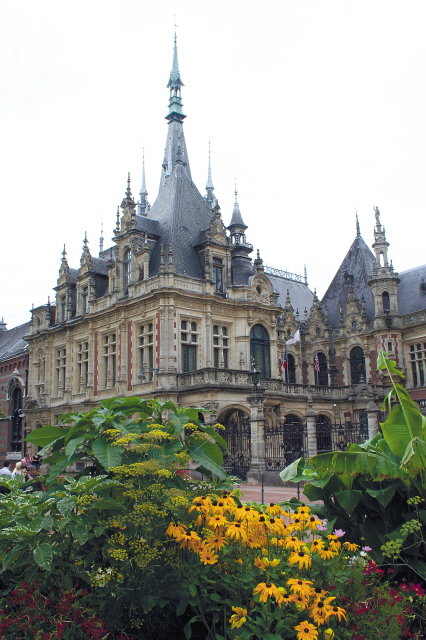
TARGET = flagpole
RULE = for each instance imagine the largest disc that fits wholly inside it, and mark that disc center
(301, 364)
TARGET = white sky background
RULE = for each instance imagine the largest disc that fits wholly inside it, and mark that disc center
(316, 107)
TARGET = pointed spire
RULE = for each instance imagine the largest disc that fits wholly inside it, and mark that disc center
(86, 258)
(117, 224)
(143, 204)
(237, 219)
(170, 261)
(209, 184)
(101, 239)
(358, 232)
(174, 84)
(306, 276)
(162, 268)
(175, 80)
(85, 242)
(64, 255)
(128, 190)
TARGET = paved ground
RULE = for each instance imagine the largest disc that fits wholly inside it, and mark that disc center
(270, 494)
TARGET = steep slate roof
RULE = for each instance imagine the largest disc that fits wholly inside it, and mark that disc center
(300, 295)
(181, 212)
(410, 296)
(358, 263)
(100, 265)
(12, 342)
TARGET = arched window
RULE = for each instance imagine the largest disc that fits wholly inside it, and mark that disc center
(385, 301)
(259, 350)
(321, 376)
(16, 440)
(357, 365)
(126, 270)
(291, 369)
(292, 418)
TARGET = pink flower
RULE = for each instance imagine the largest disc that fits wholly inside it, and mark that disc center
(417, 588)
(367, 549)
(339, 533)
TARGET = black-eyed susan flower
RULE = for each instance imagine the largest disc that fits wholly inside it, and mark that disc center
(266, 590)
(320, 609)
(189, 540)
(306, 631)
(319, 594)
(235, 530)
(300, 557)
(351, 546)
(208, 557)
(300, 586)
(336, 611)
(217, 521)
(300, 601)
(291, 542)
(238, 618)
(327, 553)
(215, 542)
(175, 530)
(274, 510)
(313, 523)
(260, 563)
(316, 546)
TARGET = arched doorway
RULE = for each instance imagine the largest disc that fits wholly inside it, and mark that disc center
(259, 350)
(237, 458)
(16, 436)
(357, 365)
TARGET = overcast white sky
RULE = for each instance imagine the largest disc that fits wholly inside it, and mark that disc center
(316, 107)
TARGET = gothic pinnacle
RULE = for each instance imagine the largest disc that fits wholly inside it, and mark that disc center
(358, 232)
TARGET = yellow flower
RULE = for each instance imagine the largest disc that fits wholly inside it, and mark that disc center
(260, 563)
(235, 530)
(336, 611)
(293, 543)
(313, 522)
(300, 586)
(245, 513)
(264, 563)
(277, 526)
(190, 540)
(320, 610)
(351, 546)
(300, 557)
(175, 530)
(274, 509)
(266, 590)
(317, 546)
(217, 521)
(328, 634)
(319, 594)
(327, 553)
(217, 542)
(208, 557)
(238, 618)
(300, 601)
(306, 631)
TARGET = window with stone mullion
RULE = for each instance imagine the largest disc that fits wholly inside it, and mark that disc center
(418, 357)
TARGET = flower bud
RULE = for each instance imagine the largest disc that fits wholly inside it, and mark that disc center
(328, 634)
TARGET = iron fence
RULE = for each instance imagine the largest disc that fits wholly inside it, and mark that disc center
(284, 443)
(338, 437)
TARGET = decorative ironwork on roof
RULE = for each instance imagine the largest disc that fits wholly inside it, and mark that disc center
(286, 275)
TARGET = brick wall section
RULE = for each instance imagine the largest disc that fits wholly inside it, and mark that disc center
(373, 365)
(7, 367)
(129, 356)
(304, 373)
(95, 365)
(340, 377)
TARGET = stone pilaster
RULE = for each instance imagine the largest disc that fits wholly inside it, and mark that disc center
(311, 429)
(257, 427)
(373, 421)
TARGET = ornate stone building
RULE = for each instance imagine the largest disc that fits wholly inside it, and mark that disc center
(178, 309)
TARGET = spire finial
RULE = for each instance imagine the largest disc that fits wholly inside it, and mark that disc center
(64, 255)
(209, 185)
(235, 191)
(358, 232)
(101, 239)
(128, 190)
(117, 225)
(85, 242)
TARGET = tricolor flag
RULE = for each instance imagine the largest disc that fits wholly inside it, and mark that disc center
(295, 338)
(284, 364)
(316, 363)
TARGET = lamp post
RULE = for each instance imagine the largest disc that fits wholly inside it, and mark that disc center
(255, 375)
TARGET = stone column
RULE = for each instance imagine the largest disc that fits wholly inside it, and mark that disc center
(373, 422)
(311, 429)
(257, 424)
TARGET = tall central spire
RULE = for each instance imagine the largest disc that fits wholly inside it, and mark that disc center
(175, 146)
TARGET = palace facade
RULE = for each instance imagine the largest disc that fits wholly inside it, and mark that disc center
(177, 308)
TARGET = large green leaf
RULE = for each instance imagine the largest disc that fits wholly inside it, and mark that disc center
(108, 455)
(402, 424)
(202, 458)
(45, 435)
(414, 460)
(74, 444)
(348, 500)
(294, 471)
(215, 435)
(377, 466)
(178, 421)
(383, 496)
(43, 555)
(213, 451)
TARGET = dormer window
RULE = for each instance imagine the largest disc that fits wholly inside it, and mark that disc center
(126, 271)
(218, 275)
(386, 302)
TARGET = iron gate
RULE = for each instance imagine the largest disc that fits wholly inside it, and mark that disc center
(338, 437)
(236, 460)
(285, 443)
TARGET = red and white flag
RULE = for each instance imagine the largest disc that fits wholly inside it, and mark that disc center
(316, 363)
(295, 338)
(284, 365)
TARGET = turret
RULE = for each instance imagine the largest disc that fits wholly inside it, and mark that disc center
(383, 280)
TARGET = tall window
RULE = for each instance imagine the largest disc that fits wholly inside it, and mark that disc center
(218, 275)
(385, 301)
(16, 441)
(188, 338)
(418, 357)
(84, 300)
(83, 364)
(126, 270)
(291, 369)
(61, 361)
(321, 376)
(259, 350)
(220, 346)
(63, 308)
(357, 365)
(110, 362)
(146, 351)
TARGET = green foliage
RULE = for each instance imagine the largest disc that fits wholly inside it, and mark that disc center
(368, 489)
